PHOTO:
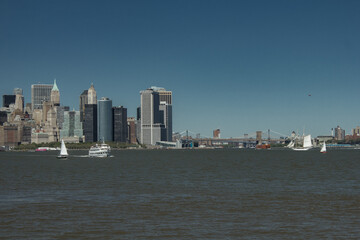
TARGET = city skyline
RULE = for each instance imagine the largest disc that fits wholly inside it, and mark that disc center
(238, 66)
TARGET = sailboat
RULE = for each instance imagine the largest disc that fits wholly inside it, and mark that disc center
(63, 151)
(307, 144)
(323, 149)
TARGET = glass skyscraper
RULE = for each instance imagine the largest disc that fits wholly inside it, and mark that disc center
(105, 120)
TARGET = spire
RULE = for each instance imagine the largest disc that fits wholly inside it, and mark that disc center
(55, 88)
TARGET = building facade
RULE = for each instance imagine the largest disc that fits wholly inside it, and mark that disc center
(39, 94)
(120, 131)
(150, 117)
(92, 98)
(105, 120)
(90, 123)
(8, 99)
(55, 95)
(131, 130)
(216, 133)
(72, 127)
(166, 119)
(339, 133)
(83, 101)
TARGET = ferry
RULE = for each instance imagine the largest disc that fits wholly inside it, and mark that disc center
(100, 150)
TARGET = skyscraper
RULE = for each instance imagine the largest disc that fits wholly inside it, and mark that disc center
(120, 130)
(8, 99)
(19, 99)
(83, 101)
(150, 117)
(131, 130)
(92, 99)
(72, 127)
(90, 123)
(166, 119)
(55, 95)
(39, 94)
(105, 120)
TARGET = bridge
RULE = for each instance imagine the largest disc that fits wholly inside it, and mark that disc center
(249, 140)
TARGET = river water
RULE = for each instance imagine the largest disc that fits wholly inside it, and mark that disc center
(181, 194)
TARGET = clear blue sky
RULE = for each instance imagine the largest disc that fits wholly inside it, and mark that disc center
(240, 66)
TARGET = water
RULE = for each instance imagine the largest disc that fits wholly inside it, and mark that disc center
(181, 194)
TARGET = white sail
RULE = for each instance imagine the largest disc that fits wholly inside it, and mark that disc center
(63, 150)
(307, 141)
(323, 149)
(291, 144)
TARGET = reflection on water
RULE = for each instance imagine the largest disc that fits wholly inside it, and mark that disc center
(181, 194)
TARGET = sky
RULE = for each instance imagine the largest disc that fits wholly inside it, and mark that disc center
(240, 66)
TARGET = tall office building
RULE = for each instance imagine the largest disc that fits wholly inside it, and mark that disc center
(92, 99)
(120, 130)
(55, 95)
(151, 125)
(8, 99)
(83, 101)
(60, 110)
(72, 127)
(166, 119)
(105, 120)
(164, 95)
(39, 94)
(131, 130)
(90, 123)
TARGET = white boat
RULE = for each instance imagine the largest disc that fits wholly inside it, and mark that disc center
(307, 144)
(323, 149)
(63, 151)
(100, 150)
(291, 144)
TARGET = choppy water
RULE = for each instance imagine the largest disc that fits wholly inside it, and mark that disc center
(181, 194)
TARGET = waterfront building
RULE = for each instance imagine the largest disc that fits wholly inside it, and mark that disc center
(120, 128)
(104, 119)
(166, 119)
(339, 133)
(39, 94)
(355, 131)
(131, 130)
(7, 100)
(150, 117)
(90, 123)
(72, 130)
(15, 133)
(83, 101)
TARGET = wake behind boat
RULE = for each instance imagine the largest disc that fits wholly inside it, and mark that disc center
(63, 151)
(100, 150)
